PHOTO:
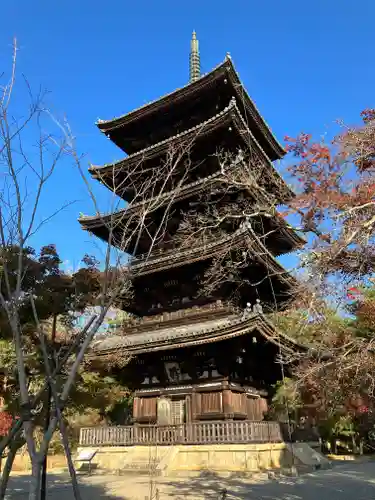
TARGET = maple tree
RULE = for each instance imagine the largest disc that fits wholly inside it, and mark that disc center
(335, 198)
(55, 292)
(335, 207)
(59, 296)
(6, 420)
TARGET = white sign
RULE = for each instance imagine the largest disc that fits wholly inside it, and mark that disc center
(86, 455)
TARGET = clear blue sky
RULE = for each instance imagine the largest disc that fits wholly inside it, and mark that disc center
(304, 63)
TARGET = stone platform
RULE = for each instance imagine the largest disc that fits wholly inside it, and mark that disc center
(215, 458)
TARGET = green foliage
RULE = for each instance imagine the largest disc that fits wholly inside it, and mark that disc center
(332, 382)
(92, 390)
(58, 298)
(54, 291)
(344, 426)
(96, 400)
(56, 295)
(7, 356)
(121, 412)
(307, 330)
(286, 400)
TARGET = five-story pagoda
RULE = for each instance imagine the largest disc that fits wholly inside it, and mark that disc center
(203, 241)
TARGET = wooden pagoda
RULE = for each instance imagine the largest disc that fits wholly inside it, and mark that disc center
(198, 356)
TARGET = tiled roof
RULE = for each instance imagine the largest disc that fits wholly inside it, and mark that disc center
(117, 121)
(156, 149)
(172, 258)
(225, 67)
(192, 334)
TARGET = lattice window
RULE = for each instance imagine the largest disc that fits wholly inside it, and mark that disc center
(177, 410)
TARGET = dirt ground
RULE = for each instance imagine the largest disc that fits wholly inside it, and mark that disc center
(345, 481)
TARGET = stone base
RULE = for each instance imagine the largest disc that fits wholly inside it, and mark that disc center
(231, 458)
(215, 458)
(22, 462)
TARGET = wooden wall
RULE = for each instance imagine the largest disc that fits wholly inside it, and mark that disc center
(223, 404)
(144, 409)
(256, 408)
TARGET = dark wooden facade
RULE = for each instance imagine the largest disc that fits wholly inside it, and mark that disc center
(198, 357)
(207, 363)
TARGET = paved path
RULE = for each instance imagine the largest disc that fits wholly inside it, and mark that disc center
(346, 481)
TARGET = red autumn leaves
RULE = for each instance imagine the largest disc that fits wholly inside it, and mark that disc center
(335, 201)
(6, 420)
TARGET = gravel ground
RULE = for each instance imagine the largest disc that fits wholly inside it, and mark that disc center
(346, 481)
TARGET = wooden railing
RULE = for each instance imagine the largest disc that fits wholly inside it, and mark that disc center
(192, 433)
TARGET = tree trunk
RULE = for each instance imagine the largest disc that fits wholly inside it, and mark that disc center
(5, 441)
(34, 491)
(43, 487)
(15, 446)
(43, 491)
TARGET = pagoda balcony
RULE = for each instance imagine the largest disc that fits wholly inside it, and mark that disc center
(216, 432)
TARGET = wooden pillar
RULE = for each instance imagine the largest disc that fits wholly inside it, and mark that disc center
(244, 403)
(227, 404)
(263, 407)
(135, 408)
(188, 409)
(250, 408)
(195, 405)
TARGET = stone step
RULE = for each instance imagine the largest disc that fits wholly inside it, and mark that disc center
(140, 464)
(140, 467)
(138, 472)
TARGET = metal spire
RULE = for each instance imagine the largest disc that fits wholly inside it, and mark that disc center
(195, 63)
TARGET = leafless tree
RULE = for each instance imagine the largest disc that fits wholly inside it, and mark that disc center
(25, 178)
(19, 221)
(236, 215)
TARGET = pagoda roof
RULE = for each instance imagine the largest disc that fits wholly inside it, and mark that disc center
(173, 258)
(107, 173)
(191, 334)
(100, 225)
(122, 129)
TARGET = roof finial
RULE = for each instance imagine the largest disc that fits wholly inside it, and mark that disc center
(195, 64)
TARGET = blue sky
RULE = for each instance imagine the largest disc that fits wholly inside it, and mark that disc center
(305, 64)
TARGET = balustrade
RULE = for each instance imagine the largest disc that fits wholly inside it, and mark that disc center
(192, 433)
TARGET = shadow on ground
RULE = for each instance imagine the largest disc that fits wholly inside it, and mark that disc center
(59, 488)
(343, 482)
(346, 481)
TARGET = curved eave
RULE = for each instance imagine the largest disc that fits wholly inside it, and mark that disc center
(242, 93)
(154, 106)
(226, 68)
(291, 235)
(231, 112)
(159, 148)
(172, 259)
(234, 327)
(100, 224)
